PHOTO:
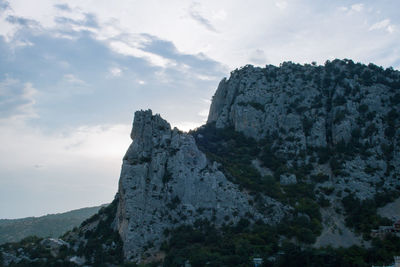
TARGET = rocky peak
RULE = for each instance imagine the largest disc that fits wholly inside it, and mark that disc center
(148, 131)
(167, 181)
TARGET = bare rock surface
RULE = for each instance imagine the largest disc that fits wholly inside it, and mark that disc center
(167, 181)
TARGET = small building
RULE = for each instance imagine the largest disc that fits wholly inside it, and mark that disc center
(395, 264)
(383, 230)
(396, 226)
(257, 262)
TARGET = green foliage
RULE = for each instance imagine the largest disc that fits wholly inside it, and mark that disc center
(381, 253)
(257, 106)
(144, 159)
(320, 178)
(363, 108)
(235, 152)
(324, 153)
(204, 245)
(362, 215)
(391, 119)
(103, 245)
(339, 100)
(307, 125)
(173, 204)
(370, 130)
(339, 116)
(230, 246)
(395, 100)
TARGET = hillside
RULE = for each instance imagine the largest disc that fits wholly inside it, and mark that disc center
(52, 225)
(292, 166)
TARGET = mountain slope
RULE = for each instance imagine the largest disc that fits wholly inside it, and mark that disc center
(52, 225)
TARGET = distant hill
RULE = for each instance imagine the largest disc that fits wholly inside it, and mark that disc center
(52, 225)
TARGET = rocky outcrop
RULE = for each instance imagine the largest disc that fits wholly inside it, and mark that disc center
(167, 181)
(350, 111)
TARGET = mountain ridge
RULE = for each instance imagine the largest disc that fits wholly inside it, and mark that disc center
(50, 225)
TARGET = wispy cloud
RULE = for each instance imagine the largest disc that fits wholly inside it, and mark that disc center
(195, 14)
(63, 7)
(88, 20)
(4, 5)
(130, 50)
(383, 24)
(115, 72)
(71, 78)
(17, 99)
(22, 21)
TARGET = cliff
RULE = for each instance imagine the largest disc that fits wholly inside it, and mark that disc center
(166, 181)
(343, 114)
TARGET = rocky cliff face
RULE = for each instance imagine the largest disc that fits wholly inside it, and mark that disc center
(347, 111)
(166, 181)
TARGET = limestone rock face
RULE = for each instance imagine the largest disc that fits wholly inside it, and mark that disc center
(167, 181)
(286, 179)
(341, 107)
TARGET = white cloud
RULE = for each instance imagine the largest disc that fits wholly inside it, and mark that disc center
(383, 24)
(131, 50)
(115, 72)
(71, 78)
(207, 77)
(357, 7)
(241, 28)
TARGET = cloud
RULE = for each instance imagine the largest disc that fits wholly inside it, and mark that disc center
(22, 21)
(88, 20)
(4, 5)
(17, 99)
(71, 78)
(63, 7)
(383, 24)
(357, 7)
(131, 50)
(195, 15)
(115, 72)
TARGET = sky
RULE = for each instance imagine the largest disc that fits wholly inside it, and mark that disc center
(72, 74)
